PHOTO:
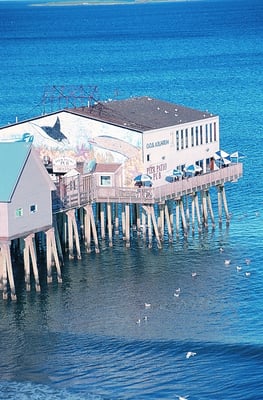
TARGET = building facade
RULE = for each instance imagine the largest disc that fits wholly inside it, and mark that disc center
(144, 135)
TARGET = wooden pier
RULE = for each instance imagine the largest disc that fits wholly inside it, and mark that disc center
(84, 214)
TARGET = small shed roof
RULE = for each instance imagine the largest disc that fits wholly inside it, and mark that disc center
(141, 113)
(107, 167)
(13, 157)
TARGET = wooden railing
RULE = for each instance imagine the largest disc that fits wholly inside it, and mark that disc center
(87, 192)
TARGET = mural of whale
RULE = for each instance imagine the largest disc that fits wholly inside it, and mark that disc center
(54, 131)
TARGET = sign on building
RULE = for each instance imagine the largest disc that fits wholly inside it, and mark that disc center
(63, 164)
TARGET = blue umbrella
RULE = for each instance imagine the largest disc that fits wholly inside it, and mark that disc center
(174, 173)
(236, 156)
(222, 162)
(193, 168)
(220, 154)
(143, 178)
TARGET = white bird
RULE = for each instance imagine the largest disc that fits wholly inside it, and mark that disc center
(178, 290)
(194, 274)
(248, 261)
(227, 262)
(183, 397)
(176, 294)
(221, 249)
(138, 321)
(190, 354)
(147, 305)
(247, 273)
(239, 268)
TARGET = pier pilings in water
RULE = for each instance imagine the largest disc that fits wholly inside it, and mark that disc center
(89, 224)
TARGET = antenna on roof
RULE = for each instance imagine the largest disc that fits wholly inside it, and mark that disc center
(59, 97)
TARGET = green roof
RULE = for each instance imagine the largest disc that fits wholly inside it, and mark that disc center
(13, 156)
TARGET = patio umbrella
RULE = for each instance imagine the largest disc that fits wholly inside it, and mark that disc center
(220, 154)
(222, 162)
(193, 168)
(236, 156)
(143, 178)
(174, 173)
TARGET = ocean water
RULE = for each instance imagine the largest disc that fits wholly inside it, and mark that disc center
(81, 339)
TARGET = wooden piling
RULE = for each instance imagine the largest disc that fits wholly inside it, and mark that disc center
(6, 271)
(52, 254)
(73, 233)
(30, 254)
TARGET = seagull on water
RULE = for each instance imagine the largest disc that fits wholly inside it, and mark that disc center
(183, 397)
(147, 305)
(194, 274)
(239, 268)
(190, 354)
(227, 262)
(247, 273)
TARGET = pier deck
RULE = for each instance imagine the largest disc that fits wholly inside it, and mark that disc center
(86, 192)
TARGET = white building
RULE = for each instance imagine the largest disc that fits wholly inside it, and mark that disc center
(145, 135)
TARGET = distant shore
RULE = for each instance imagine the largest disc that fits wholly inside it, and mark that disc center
(103, 2)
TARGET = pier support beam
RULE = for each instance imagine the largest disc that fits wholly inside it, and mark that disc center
(181, 204)
(221, 195)
(116, 218)
(109, 217)
(177, 217)
(57, 238)
(102, 221)
(151, 219)
(123, 223)
(127, 225)
(210, 208)
(90, 227)
(168, 222)
(52, 254)
(197, 212)
(73, 233)
(223, 192)
(204, 207)
(30, 253)
(6, 271)
(161, 220)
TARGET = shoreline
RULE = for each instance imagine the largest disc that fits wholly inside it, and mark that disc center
(61, 3)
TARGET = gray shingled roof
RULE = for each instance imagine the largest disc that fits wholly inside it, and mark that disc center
(141, 113)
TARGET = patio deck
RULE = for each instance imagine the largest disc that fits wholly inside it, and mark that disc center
(86, 192)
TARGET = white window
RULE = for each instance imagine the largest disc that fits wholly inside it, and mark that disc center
(19, 212)
(105, 180)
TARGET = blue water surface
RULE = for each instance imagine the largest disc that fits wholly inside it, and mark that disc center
(82, 339)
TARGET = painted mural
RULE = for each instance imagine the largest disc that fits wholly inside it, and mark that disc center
(81, 139)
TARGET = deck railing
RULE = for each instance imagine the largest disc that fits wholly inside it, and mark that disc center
(85, 190)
